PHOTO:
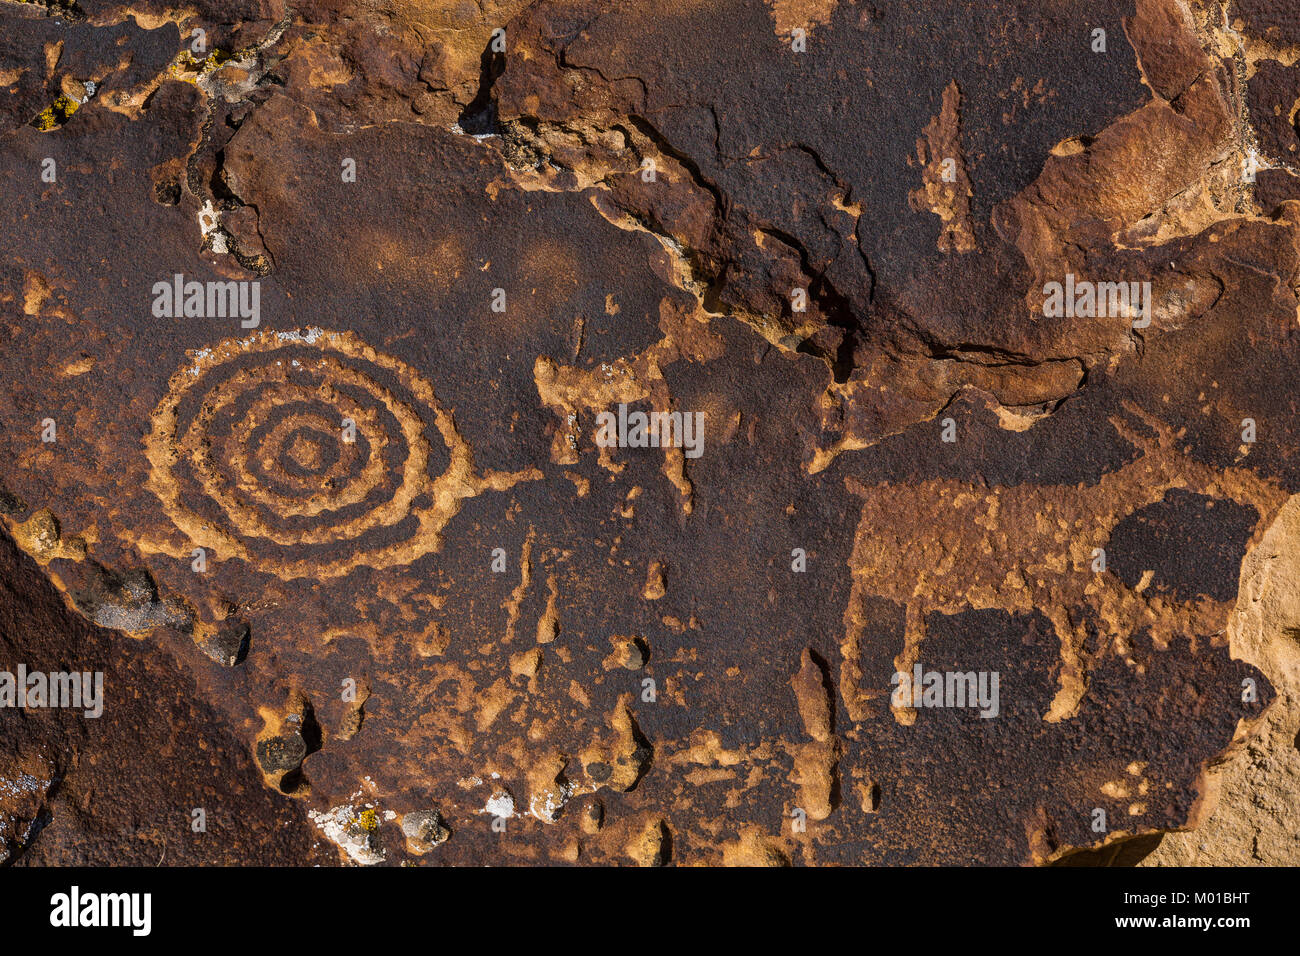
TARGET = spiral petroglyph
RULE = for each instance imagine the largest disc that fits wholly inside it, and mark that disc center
(308, 454)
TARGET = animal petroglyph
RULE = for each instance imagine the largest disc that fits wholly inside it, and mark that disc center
(1025, 547)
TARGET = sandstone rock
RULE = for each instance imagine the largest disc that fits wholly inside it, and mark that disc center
(953, 574)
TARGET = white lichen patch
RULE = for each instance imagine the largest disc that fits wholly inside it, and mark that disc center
(210, 227)
(546, 806)
(346, 828)
(500, 804)
(307, 337)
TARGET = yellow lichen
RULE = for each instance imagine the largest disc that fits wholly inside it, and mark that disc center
(56, 114)
(189, 68)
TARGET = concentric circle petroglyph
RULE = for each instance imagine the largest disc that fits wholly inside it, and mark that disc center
(250, 458)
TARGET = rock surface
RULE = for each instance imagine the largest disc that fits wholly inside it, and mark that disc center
(364, 584)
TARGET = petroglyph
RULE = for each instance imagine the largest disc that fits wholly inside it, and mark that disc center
(250, 438)
(402, 599)
(1021, 547)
